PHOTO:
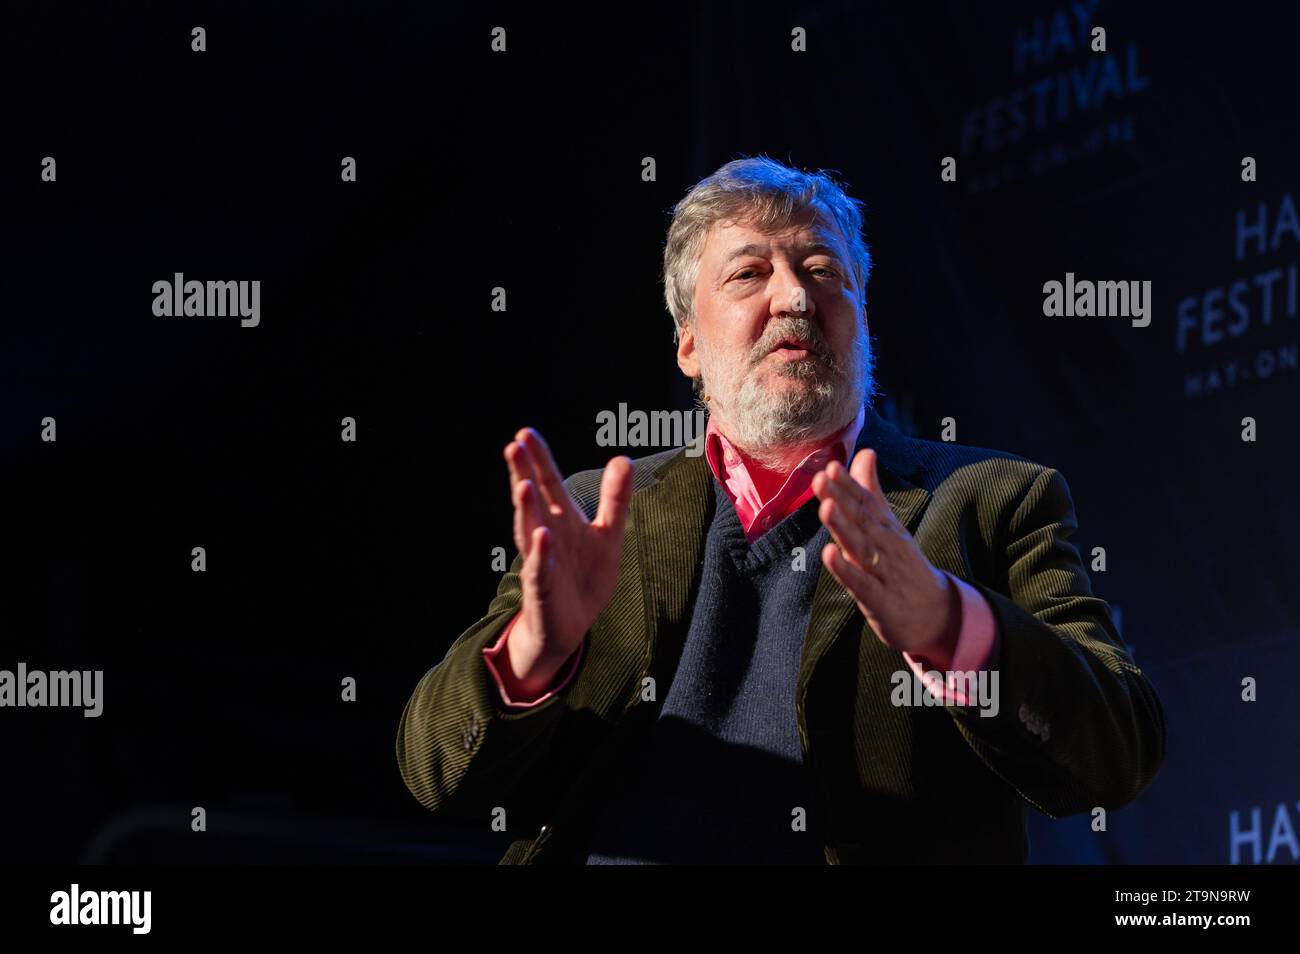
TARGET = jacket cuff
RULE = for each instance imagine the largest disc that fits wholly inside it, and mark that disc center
(976, 648)
(490, 654)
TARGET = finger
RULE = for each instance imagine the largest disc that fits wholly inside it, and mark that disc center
(876, 495)
(511, 454)
(864, 470)
(528, 514)
(863, 587)
(855, 505)
(615, 496)
(849, 535)
(839, 486)
(875, 507)
(547, 475)
(520, 463)
(524, 516)
(517, 523)
(555, 504)
(520, 534)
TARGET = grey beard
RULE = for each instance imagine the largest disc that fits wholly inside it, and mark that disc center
(770, 426)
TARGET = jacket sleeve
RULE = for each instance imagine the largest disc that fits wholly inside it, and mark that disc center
(460, 749)
(1078, 725)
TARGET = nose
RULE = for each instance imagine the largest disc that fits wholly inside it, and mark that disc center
(789, 294)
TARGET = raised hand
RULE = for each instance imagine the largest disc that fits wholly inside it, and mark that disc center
(570, 568)
(907, 601)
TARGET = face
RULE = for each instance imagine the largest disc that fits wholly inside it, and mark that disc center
(780, 335)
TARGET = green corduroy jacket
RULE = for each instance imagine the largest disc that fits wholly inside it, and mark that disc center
(1078, 725)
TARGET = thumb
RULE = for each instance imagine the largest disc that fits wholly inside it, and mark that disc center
(615, 495)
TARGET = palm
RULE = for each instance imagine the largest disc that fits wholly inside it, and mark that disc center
(570, 566)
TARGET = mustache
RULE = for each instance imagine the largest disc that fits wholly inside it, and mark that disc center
(800, 328)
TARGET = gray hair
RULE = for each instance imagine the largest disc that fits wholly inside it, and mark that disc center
(775, 196)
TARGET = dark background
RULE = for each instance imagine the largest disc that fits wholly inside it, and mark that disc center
(523, 170)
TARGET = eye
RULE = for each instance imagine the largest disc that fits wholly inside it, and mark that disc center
(741, 275)
(830, 272)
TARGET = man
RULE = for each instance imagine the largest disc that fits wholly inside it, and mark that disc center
(820, 641)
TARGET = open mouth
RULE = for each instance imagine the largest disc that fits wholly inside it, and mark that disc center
(792, 349)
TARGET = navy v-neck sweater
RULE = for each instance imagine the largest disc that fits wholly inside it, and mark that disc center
(721, 774)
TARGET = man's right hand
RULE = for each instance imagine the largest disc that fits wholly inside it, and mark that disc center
(570, 566)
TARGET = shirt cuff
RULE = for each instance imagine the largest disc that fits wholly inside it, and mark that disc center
(490, 654)
(977, 647)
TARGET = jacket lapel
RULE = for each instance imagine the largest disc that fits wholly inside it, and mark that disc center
(671, 518)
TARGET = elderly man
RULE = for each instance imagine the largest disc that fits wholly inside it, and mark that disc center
(668, 675)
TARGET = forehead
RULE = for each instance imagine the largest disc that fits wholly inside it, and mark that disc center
(727, 238)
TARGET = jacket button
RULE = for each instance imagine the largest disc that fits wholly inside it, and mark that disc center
(470, 733)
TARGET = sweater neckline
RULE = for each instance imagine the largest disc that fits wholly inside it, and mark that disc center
(794, 530)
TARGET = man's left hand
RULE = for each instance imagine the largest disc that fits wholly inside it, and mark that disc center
(906, 600)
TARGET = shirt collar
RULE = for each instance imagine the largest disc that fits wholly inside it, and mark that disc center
(723, 455)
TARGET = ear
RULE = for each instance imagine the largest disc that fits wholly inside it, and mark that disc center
(686, 357)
